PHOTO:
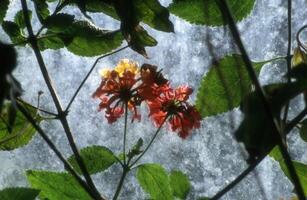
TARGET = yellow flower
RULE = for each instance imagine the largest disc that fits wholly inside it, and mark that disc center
(126, 65)
(105, 72)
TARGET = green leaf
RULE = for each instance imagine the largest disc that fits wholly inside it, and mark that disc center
(138, 39)
(56, 186)
(224, 86)
(19, 18)
(303, 130)
(42, 10)
(59, 22)
(18, 194)
(256, 130)
(50, 40)
(3, 8)
(96, 158)
(20, 132)
(207, 12)
(180, 184)
(154, 14)
(84, 39)
(13, 31)
(136, 149)
(154, 180)
(300, 168)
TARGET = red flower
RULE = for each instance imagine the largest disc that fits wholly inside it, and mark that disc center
(114, 92)
(126, 84)
(173, 104)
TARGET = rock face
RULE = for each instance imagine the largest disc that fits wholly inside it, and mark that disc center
(210, 157)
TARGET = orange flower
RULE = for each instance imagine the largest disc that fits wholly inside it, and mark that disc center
(127, 84)
(171, 103)
(116, 90)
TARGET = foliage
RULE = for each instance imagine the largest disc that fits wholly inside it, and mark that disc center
(18, 194)
(228, 84)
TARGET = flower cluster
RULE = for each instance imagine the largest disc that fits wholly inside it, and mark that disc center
(128, 85)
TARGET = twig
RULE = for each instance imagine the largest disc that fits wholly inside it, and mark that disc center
(151, 141)
(61, 113)
(224, 8)
(284, 120)
(55, 150)
(296, 120)
(89, 73)
(37, 108)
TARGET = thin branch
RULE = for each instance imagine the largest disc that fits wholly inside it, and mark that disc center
(89, 73)
(151, 141)
(238, 179)
(37, 108)
(296, 120)
(61, 113)
(125, 133)
(55, 150)
(224, 8)
(284, 120)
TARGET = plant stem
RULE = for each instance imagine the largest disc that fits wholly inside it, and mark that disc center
(37, 108)
(89, 73)
(296, 120)
(121, 182)
(61, 113)
(284, 119)
(151, 141)
(125, 132)
(224, 8)
(55, 150)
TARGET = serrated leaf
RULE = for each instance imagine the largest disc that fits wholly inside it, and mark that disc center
(42, 10)
(154, 180)
(96, 158)
(50, 40)
(207, 12)
(256, 130)
(300, 168)
(3, 8)
(84, 39)
(303, 130)
(56, 186)
(224, 86)
(59, 23)
(21, 130)
(19, 18)
(13, 31)
(18, 194)
(154, 14)
(180, 184)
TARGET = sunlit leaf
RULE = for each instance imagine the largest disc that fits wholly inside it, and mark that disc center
(3, 8)
(224, 86)
(303, 130)
(300, 168)
(207, 12)
(56, 186)
(50, 40)
(13, 31)
(154, 180)
(96, 158)
(18, 194)
(84, 39)
(180, 184)
(19, 18)
(19, 133)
